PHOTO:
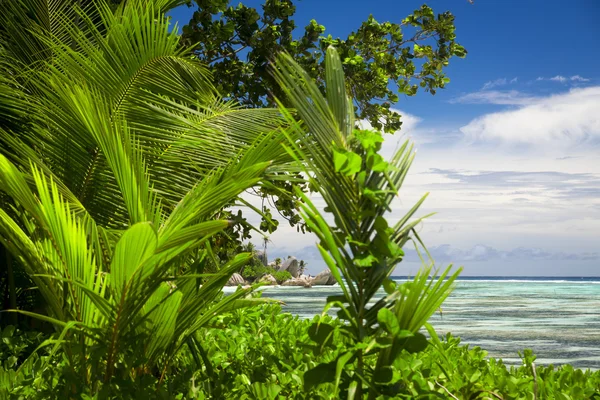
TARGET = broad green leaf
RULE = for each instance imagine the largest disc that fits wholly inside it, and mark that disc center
(322, 373)
(384, 375)
(353, 165)
(415, 344)
(339, 159)
(388, 321)
(339, 367)
(389, 286)
(365, 261)
(136, 246)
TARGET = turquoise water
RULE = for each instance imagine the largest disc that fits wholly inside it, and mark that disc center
(559, 319)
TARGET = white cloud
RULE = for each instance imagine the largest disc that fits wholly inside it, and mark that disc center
(579, 78)
(570, 119)
(563, 79)
(513, 199)
(502, 97)
(497, 82)
(448, 253)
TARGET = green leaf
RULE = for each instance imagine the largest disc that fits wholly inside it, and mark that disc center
(384, 375)
(322, 373)
(389, 286)
(339, 159)
(339, 367)
(475, 377)
(415, 344)
(137, 245)
(388, 321)
(321, 333)
(365, 261)
(353, 165)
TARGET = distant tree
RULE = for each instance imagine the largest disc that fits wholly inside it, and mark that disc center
(302, 264)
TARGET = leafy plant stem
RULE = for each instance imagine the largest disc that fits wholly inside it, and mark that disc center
(12, 291)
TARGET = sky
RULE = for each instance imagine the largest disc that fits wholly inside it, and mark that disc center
(509, 151)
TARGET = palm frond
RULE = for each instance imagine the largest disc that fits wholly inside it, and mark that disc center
(359, 247)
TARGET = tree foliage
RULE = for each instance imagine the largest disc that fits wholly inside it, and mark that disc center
(381, 60)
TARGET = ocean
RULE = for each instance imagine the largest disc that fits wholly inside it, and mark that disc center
(558, 318)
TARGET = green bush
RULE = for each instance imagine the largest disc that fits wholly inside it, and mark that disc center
(467, 373)
(282, 276)
(249, 272)
(16, 345)
(261, 353)
(255, 271)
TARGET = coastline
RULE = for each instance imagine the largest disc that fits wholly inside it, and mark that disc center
(557, 317)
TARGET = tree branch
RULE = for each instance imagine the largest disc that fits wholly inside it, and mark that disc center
(446, 390)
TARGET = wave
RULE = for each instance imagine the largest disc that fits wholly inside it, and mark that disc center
(575, 282)
(519, 279)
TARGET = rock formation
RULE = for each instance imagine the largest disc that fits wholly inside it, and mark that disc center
(303, 281)
(268, 279)
(292, 266)
(236, 279)
(324, 278)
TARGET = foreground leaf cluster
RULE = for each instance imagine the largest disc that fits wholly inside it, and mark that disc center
(265, 354)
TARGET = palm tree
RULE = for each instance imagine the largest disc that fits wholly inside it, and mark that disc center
(117, 158)
(360, 248)
(93, 63)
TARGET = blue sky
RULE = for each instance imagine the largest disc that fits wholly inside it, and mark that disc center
(510, 150)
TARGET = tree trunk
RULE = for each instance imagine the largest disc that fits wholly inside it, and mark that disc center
(10, 287)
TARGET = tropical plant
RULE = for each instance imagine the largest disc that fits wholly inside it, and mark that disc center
(122, 297)
(107, 105)
(360, 248)
(97, 64)
(117, 160)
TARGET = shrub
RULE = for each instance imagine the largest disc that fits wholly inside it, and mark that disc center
(281, 276)
(255, 270)
(263, 353)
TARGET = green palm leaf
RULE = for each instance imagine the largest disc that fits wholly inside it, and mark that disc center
(343, 165)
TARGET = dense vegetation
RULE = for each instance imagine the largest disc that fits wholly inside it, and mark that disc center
(119, 164)
(256, 268)
(262, 354)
